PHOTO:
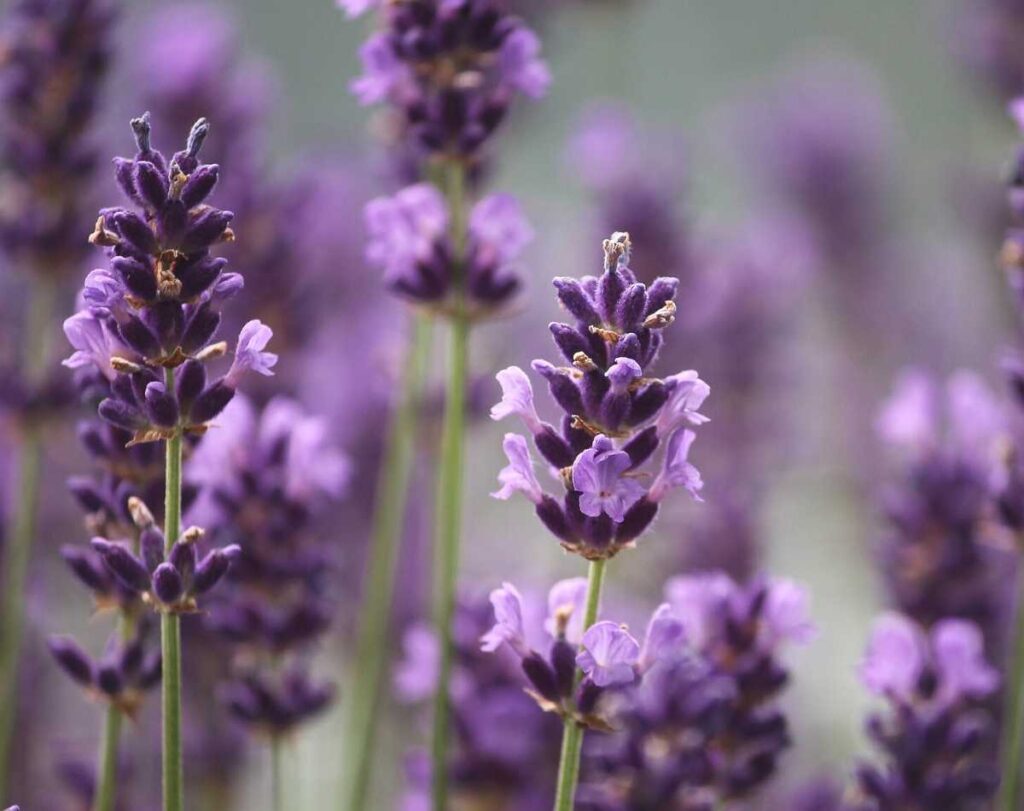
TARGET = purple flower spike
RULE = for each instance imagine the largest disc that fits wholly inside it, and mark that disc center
(249, 353)
(508, 627)
(516, 399)
(518, 476)
(609, 655)
(597, 475)
(450, 72)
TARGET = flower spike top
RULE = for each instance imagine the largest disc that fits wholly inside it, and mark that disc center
(157, 306)
(616, 414)
(450, 68)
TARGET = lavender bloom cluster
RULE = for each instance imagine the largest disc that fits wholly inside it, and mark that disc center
(706, 675)
(940, 553)
(936, 734)
(705, 727)
(55, 54)
(450, 70)
(616, 414)
(504, 751)
(266, 478)
(409, 240)
(157, 307)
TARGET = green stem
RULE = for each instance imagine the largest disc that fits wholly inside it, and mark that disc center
(106, 776)
(106, 788)
(369, 670)
(448, 505)
(276, 773)
(21, 533)
(170, 634)
(1013, 727)
(572, 735)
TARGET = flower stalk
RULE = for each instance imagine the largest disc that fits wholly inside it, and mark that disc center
(448, 509)
(389, 514)
(572, 735)
(170, 633)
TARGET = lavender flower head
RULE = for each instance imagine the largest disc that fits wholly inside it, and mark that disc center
(936, 735)
(938, 552)
(449, 69)
(616, 414)
(267, 478)
(607, 653)
(704, 727)
(409, 239)
(156, 309)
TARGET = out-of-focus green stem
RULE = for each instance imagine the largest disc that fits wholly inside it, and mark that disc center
(369, 668)
(448, 509)
(21, 534)
(106, 773)
(276, 773)
(572, 735)
(170, 634)
(1013, 717)
(106, 787)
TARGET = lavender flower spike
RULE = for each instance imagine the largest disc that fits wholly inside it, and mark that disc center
(617, 416)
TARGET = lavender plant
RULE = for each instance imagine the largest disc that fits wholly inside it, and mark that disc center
(158, 307)
(55, 55)
(448, 72)
(616, 418)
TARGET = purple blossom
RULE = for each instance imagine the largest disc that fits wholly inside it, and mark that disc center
(609, 654)
(597, 474)
(677, 471)
(688, 393)
(895, 657)
(518, 475)
(94, 344)
(250, 354)
(521, 63)
(664, 637)
(516, 398)
(403, 228)
(565, 609)
(499, 229)
(508, 628)
(383, 71)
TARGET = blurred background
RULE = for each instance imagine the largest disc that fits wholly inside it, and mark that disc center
(714, 98)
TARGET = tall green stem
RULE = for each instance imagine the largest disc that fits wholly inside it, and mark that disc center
(170, 634)
(1013, 726)
(277, 773)
(369, 669)
(448, 509)
(106, 773)
(572, 734)
(23, 527)
(106, 788)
